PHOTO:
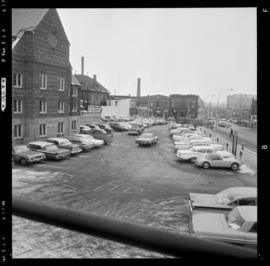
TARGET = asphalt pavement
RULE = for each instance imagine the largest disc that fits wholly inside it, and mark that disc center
(145, 185)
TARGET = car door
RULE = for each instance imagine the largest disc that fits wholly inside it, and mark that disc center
(216, 161)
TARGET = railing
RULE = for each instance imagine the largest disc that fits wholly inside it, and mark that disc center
(173, 244)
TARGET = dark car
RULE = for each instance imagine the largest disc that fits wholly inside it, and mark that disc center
(147, 139)
(117, 127)
(50, 150)
(66, 144)
(105, 127)
(23, 155)
(98, 134)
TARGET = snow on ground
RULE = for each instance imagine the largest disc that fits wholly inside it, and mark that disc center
(245, 169)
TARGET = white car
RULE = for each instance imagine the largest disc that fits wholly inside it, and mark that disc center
(193, 153)
(184, 138)
(218, 159)
(225, 200)
(238, 226)
(90, 139)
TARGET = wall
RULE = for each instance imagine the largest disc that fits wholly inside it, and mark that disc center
(122, 108)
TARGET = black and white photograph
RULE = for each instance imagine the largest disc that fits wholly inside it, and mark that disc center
(134, 132)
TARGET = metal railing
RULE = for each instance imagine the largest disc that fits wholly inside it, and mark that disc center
(152, 239)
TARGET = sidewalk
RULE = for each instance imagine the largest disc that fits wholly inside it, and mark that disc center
(249, 158)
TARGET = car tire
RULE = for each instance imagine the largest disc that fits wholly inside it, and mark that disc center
(192, 160)
(206, 165)
(235, 166)
(23, 162)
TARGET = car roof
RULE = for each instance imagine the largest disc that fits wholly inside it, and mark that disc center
(238, 192)
(203, 147)
(248, 213)
(41, 143)
(58, 139)
(147, 134)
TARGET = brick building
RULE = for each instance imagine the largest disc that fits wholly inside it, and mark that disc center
(92, 92)
(183, 105)
(41, 71)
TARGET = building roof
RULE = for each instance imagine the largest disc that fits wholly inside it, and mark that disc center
(74, 81)
(86, 81)
(26, 19)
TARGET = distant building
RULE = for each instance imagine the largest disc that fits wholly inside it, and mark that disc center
(118, 106)
(239, 101)
(254, 106)
(92, 92)
(183, 105)
(156, 104)
(41, 76)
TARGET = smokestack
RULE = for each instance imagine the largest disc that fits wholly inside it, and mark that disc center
(95, 77)
(138, 87)
(82, 65)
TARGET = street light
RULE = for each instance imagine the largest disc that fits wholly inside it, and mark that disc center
(218, 95)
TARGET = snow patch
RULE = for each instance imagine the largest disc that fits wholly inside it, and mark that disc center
(244, 169)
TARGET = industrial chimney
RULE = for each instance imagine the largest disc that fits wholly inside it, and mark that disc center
(138, 87)
(82, 65)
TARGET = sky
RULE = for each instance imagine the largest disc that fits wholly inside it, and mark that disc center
(202, 51)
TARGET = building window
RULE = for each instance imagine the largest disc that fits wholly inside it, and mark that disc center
(42, 107)
(61, 107)
(42, 130)
(17, 80)
(60, 127)
(61, 84)
(74, 107)
(74, 92)
(18, 131)
(17, 106)
(43, 81)
(74, 125)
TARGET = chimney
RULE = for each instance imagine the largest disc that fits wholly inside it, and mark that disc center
(95, 77)
(138, 87)
(82, 65)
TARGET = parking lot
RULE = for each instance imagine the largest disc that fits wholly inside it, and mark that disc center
(145, 185)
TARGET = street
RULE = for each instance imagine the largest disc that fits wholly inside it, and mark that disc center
(247, 136)
(145, 185)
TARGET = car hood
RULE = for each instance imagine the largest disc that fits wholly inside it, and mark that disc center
(205, 201)
(204, 222)
(144, 139)
(30, 153)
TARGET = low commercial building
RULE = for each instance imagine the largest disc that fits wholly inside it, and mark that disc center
(118, 106)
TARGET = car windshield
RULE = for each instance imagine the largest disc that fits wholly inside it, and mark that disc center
(65, 142)
(50, 147)
(19, 149)
(147, 136)
(234, 219)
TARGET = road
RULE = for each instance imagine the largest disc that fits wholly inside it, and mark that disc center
(145, 185)
(246, 135)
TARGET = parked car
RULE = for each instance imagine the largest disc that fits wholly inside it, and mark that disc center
(23, 155)
(105, 127)
(147, 139)
(180, 130)
(99, 134)
(116, 126)
(238, 226)
(193, 153)
(66, 144)
(84, 143)
(183, 138)
(97, 143)
(50, 150)
(216, 160)
(225, 200)
(135, 130)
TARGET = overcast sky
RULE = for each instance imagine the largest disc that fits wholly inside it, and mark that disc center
(173, 50)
